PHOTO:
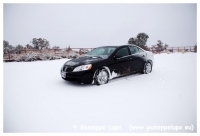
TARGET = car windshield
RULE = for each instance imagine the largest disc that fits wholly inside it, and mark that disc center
(102, 51)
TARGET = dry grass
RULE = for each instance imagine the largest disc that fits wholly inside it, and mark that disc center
(46, 54)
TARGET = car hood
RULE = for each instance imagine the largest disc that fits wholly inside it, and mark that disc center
(84, 60)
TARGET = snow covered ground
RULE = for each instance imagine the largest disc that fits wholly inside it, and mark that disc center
(36, 99)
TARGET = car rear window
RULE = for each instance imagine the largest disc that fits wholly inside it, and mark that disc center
(134, 49)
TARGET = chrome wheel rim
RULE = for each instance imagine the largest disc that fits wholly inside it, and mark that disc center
(102, 77)
(148, 68)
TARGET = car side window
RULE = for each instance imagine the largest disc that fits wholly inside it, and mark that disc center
(122, 52)
(134, 50)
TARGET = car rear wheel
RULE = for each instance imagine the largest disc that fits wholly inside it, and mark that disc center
(147, 68)
(101, 77)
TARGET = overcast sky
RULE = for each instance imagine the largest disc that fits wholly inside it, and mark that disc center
(92, 25)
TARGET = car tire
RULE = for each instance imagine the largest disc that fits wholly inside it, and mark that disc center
(147, 68)
(101, 77)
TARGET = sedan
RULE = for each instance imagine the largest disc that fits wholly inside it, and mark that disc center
(107, 62)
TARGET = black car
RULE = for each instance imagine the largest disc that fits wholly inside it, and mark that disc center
(107, 62)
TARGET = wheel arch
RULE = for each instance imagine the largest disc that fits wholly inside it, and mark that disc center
(103, 67)
(150, 61)
(108, 71)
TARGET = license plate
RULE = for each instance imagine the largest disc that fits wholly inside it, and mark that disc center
(63, 74)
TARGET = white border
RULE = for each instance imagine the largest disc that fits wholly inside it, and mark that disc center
(96, 1)
(99, 1)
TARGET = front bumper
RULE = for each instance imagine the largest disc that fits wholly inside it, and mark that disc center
(85, 77)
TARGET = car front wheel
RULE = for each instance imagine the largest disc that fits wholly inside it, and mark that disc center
(101, 77)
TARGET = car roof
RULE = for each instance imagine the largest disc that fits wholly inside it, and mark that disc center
(121, 45)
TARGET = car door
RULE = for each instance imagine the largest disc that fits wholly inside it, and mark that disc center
(137, 58)
(120, 61)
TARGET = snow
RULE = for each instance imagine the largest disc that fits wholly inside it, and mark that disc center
(113, 75)
(36, 99)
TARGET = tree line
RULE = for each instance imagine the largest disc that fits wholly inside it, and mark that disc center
(37, 43)
(141, 40)
(41, 43)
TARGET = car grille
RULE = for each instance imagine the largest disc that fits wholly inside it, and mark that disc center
(68, 69)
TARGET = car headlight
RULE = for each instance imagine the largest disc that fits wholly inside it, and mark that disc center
(83, 67)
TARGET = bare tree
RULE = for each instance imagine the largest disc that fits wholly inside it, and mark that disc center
(7, 46)
(18, 48)
(140, 40)
(159, 47)
(40, 43)
(28, 46)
